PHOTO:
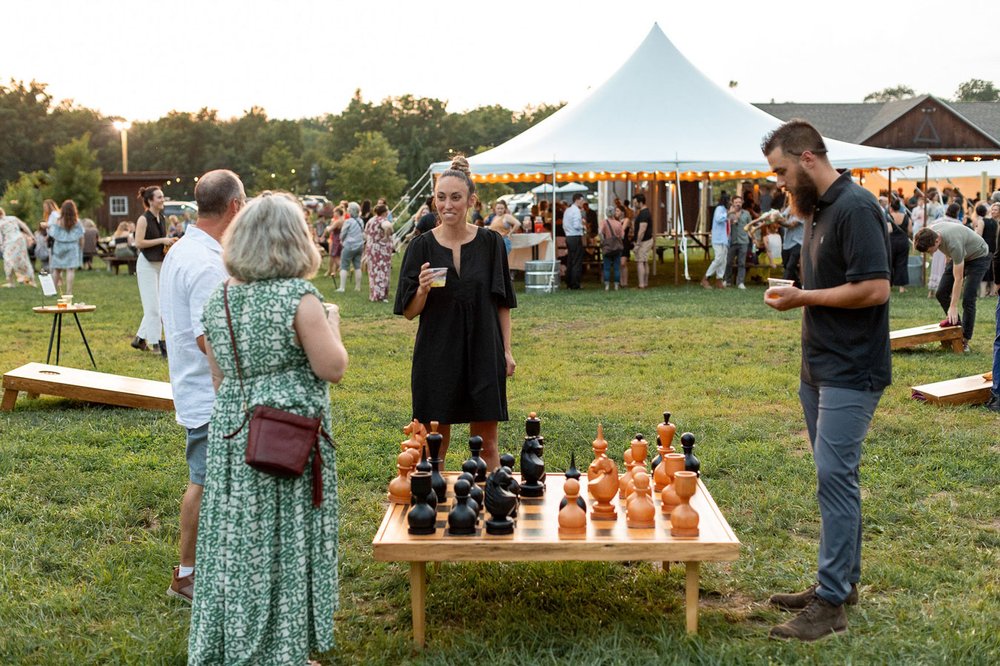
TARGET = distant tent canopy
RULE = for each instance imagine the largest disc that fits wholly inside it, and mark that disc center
(562, 189)
(683, 127)
(945, 170)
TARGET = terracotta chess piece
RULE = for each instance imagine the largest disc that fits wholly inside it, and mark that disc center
(602, 488)
(572, 519)
(668, 497)
(627, 476)
(641, 512)
(684, 519)
(475, 451)
(600, 446)
(399, 487)
(410, 446)
(501, 502)
(639, 449)
(664, 445)
(462, 517)
(422, 517)
(573, 473)
(691, 463)
(434, 442)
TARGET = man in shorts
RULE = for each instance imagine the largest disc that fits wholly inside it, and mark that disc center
(643, 225)
(191, 271)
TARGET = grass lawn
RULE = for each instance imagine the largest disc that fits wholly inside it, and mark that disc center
(89, 495)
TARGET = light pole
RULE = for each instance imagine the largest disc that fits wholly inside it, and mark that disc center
(123, 127)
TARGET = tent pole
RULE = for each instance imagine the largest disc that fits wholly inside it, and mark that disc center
(923, 255)
(680, 218)
(554, 280)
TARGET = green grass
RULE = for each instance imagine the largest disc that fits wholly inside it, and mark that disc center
(89, 495)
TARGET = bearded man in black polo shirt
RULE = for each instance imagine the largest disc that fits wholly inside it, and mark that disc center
(845, 358)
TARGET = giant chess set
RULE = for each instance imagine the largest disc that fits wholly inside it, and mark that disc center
(516, 496)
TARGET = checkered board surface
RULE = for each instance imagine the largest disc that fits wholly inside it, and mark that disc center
(536, 531)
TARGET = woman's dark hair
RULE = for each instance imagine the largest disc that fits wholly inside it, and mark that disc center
(953, 210)
(896, 205)
(426, 223)
(381, 209)
(147, 193)
(460, 169)
(724, 199)
(982, 210)
(68, 215)
(366, 208)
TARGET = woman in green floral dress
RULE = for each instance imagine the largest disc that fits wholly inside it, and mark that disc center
(267, 585)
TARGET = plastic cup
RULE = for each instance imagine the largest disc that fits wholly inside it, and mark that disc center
(68, 299)
(440, 276)
(778, 282)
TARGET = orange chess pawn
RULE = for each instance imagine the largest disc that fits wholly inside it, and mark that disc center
(668, 497)
(684, 519)
(640, 512)
(572, 519)
(600, 446)
(399, 487)
(627, 476)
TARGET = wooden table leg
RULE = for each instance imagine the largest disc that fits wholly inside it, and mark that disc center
(9, 398)
(666, 566)
(418, 600)
(691, 596)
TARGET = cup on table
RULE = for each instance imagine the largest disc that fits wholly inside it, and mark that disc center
(67, 299)
(440, 276)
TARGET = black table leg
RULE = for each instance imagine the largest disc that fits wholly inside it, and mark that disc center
(84, 340)
(58, 336)
(52, 337)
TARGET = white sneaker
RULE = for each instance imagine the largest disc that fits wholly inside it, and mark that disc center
(741, 286)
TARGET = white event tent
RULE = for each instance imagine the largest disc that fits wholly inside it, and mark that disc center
(656, 118)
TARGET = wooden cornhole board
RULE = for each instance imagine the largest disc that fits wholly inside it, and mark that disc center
(974, 390)
(42, 379)
(948, 336)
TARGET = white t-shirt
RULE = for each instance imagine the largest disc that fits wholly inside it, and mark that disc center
(191, 271)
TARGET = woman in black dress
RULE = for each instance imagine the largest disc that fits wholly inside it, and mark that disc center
(462, 355)
(899, 245)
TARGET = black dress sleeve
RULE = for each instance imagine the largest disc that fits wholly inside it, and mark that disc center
(501, 288)
(409, 274)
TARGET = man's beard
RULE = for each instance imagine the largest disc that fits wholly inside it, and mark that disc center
(805, 195)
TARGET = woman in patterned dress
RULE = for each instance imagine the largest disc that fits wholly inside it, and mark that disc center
(267, 585)
(13, 238)
(67, 248)
(378, 248)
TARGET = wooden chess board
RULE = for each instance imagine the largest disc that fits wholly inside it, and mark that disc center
(536, 538)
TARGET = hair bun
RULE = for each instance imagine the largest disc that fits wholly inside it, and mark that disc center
(459, 163)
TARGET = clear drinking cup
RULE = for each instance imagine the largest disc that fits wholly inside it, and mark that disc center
(440, 276)
(778, 282)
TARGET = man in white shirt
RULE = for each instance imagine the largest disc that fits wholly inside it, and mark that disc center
(573, 229)
(191, 271)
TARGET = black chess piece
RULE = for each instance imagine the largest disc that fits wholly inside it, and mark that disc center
(438, 484)
(532, 426)
(532, 468)
(462, 517)
(507, 460)
(424, 467)
(476, 449)
(501, 502)
(475, 492)
(573, 473)
(422, 517)
(691, 463)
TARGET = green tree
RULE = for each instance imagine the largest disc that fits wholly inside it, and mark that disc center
(368, 171)
(977, 90)
(77, 176)
(278, 169)
(23, 197)
(890, 94)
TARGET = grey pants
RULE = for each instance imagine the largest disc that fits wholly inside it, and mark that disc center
(837, 420)
(739, 253)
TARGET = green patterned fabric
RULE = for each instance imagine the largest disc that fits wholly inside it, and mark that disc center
(266, 584)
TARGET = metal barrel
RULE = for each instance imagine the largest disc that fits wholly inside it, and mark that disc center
(541, 277)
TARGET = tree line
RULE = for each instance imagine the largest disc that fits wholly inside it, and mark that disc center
(369, 149)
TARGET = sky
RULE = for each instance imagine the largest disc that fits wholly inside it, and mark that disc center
(304, 58)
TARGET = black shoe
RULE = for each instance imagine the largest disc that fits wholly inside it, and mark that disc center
(799, 600)
(163, 348)
(140, 344)
(993, 404)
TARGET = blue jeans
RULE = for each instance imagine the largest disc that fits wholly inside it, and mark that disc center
(996, 354)
(612, 266)
(837, 420)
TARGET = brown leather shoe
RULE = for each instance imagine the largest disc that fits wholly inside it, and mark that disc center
(182, 588)
(819, 619)
(799, 600)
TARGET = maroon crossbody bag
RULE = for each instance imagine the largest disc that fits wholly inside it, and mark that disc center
(279, 442)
